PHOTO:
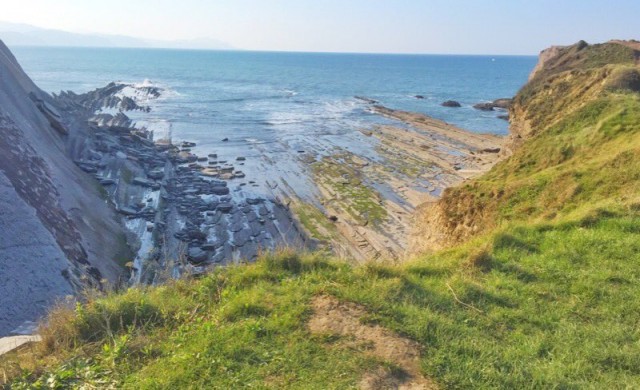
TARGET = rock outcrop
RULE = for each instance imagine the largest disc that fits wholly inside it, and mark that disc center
(503, 104)
(58, 235)
(184, 213)
(451, 103)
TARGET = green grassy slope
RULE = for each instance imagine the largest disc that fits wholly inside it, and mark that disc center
(577, 124)
(539, 306)
(587, 160)
(543, 295)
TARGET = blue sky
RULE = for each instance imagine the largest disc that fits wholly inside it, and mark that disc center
(384, 26)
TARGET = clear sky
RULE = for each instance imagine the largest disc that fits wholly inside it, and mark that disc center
(385, 26)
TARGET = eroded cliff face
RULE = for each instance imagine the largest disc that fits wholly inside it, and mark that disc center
(565, 78)
(58, 234)
(580, 82)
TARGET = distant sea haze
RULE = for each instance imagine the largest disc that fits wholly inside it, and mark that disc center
(18, 34)
(213, 95)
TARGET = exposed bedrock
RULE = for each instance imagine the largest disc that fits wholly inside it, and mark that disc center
(31, 264)
(502, 104)
(73, 236)
(183, 213)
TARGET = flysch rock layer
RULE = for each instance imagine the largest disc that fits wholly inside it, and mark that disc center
(184, 213)
(31, 262)
(59, 236)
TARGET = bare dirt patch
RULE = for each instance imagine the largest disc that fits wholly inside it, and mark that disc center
(339, 318)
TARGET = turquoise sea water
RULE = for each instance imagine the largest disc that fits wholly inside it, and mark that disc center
(236, 94)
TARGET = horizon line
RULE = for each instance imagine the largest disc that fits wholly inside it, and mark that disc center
(270, 51)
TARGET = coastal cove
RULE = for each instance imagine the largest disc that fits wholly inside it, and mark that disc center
(319, 195)
(270, 125)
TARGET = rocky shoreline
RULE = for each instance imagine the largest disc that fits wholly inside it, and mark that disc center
(367, 184)
(185, 213)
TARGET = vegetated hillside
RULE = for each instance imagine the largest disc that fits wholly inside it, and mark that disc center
(574, 148)
(544, 295)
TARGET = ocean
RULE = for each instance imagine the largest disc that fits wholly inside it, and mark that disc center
(214, 94)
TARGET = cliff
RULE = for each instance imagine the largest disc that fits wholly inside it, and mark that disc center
(567, 78)
(58, 234)
(574, 125)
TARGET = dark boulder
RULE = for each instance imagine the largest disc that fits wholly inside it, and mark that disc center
(208, 247)
(196, 235)
(484, 106)
(254, 201)
(225, 207)
(503, 104)
(220, 190)
(142, 182)
(197, 255)
(107, 182)
(128, 211)
(451, 103)
(156, 174)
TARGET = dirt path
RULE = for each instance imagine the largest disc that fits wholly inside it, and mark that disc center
(335, 317)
